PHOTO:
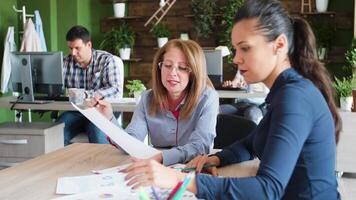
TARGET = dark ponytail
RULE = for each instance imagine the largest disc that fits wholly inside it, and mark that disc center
(304, 60)
(273, 21)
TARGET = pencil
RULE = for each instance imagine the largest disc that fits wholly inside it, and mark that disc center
(155, 194)
(194, 168)
(143, 195)
(97, 102)
(175, 189)
(184, 186)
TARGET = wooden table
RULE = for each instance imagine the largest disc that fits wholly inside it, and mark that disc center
(58, 105)
(233, 94)
(36, 179)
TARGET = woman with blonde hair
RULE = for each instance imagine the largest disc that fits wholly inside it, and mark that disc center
(179, 112)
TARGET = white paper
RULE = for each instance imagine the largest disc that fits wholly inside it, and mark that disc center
(112, 170)
(123, 194)
(79, 184)
(129, 144)
(104, 193)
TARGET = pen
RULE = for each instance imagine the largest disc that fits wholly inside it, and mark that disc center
(175, 189)
(143, 195)
(184, 186)
(194, 168)
(154, 192)
(97, 102)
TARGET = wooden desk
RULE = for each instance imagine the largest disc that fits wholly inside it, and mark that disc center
(58, 105)
(37, 178)
(231, 94)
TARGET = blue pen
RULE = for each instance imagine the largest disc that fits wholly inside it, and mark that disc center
(154, 192)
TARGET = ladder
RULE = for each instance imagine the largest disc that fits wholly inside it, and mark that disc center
(306, 3)
(160, 13)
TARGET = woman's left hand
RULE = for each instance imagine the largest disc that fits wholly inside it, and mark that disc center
(151, 173)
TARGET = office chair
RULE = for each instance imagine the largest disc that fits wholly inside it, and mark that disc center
(230, 128)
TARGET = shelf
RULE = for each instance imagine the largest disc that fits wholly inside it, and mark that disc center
(132, 60)
(215, 15)
(113, 1)
(306, 14)
(124, 18)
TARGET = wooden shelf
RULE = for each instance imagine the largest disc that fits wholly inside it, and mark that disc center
(124, 18)
(113, 1)
(215, 15)
(132, 60)
(306, 14)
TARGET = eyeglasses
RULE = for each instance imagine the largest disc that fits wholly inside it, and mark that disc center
(179, 68)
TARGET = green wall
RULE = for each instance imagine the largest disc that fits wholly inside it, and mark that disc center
(8, 17)
(57, 17)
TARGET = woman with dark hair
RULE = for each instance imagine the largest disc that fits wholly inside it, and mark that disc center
(296, 139)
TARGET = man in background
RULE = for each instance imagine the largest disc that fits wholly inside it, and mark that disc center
(97, 72)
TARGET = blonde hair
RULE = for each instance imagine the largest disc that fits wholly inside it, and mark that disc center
(198, 78)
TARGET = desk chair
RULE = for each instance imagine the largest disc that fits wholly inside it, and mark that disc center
(230, 128)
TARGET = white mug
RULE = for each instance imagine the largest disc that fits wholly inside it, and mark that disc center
(76, 95)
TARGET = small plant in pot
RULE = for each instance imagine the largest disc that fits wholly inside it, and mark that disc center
(324, 35)
(161, 32)
(135, 87)
(351, 61)
(119, 41)
(343, 89)
(119, 9)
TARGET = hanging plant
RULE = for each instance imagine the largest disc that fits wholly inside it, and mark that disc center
(204, 21)
(228, 14)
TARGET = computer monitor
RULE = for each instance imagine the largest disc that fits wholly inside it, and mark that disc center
(37, 73)
(214, 64)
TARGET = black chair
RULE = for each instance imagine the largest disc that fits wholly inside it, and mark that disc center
(230, 128)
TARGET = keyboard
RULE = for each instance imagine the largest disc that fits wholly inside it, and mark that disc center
(47, 98)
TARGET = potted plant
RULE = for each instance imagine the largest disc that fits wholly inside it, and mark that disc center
(227, 22)
(351, 61)
(343, 89)
(204, 21)
(135, 87)
(321, 5)
(119, 41)
(324, 35)
(119, 9)
(161, 32)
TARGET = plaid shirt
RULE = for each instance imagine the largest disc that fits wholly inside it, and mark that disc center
(102, 75)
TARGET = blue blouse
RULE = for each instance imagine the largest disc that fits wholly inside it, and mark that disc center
(295, 142)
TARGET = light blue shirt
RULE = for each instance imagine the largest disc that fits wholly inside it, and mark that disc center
(39, 30)
(194, 136)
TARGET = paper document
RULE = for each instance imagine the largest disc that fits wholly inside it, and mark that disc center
(128, 143)
(123, 194)
(111, 170)
(79, 184)
(103, 193)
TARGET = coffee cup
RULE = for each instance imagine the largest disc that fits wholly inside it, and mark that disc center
(76, 95)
